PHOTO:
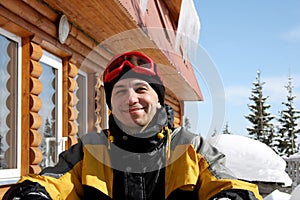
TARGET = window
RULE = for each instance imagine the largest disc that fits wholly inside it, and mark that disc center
(51, 111)
(10, 107)
(81, 106)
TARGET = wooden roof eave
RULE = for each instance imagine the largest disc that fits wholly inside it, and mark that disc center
(89, 44)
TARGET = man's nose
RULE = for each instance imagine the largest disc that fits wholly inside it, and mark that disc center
(132, 97)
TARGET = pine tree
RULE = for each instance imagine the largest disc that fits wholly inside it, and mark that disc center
(187, 123)
(262, 129)
(1, 152)
(226, 129)
(286, 142)
(48, 128)
(47, 132)
(215, 133)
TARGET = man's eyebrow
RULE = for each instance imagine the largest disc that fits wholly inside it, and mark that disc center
(140, 84)
(119, 86)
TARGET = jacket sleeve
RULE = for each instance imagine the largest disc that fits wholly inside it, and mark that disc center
(63, 181)
(216, 181)
(27, 190)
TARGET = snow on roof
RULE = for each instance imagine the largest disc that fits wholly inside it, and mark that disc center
(251, 160)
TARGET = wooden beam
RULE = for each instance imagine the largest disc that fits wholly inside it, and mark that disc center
(25, 140)
(32, 16)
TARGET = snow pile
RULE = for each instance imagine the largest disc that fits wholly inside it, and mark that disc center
(277, 195)
(296, 193)
(251, 160)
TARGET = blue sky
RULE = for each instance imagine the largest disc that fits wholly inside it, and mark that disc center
(239, 38)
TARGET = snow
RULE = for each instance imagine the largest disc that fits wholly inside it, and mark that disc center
(277, 195)
(296, 193)
(251, 160)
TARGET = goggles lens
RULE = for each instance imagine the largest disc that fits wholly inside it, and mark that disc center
(136, 61)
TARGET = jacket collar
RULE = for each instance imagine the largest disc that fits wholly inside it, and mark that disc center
(146, 141)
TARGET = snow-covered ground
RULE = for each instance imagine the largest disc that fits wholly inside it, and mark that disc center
(296, 193)
(277, 195)
(252, 160)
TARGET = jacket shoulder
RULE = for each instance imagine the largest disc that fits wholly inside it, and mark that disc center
(182, 136)
(95, 138)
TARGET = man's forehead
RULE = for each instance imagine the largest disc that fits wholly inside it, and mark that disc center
(131, 82)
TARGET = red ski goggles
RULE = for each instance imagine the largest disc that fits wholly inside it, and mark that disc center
(136, 61)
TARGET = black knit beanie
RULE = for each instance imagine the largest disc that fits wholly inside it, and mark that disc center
(154, 82)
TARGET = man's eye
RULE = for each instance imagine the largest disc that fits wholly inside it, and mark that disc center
(141, 89)
(120, 91)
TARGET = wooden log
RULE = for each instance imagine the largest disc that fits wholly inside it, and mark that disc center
(85, 63)
(36, 69)
(72, 140)
(35, 138)
(29, 14)
(43, 8)
(35, 51)
(78, 35)
(172, 100)
(73, 70)
(177, 114)
(35, 86)
(177, 121)
(13, 28)
(175, 107)
(34, 169)
(75, 44)
(65, 118)
(81, 37)
(73, 99)
(36, 155)
(72, 128)
(85, 51)
(72, 113)
(35, 121)
(72, 84)
(35, 103)
(25, 128)
(48, 42)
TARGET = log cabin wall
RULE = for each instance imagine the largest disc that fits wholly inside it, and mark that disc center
(71, 113)
(35, 104)
(177, 106)
(36, 23)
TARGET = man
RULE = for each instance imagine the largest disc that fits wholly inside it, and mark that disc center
(141, 156)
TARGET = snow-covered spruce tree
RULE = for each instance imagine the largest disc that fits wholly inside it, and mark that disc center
(286, 142)
(262, 129)
(187, 123)
(47, 133)
(215, 133)
(226, 129)
(1, 152)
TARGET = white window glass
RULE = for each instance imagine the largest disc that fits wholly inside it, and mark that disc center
(81, 107)
(10, 107)
(51, 111)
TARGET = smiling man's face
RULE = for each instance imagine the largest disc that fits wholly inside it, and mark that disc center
(134, 103)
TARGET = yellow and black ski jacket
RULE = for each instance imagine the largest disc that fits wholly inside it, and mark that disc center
(170, 164)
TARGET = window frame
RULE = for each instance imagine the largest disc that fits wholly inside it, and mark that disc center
(56, 62)
(10, 176)
(85, 102)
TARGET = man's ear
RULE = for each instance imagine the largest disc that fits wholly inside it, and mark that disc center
(158, 105)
